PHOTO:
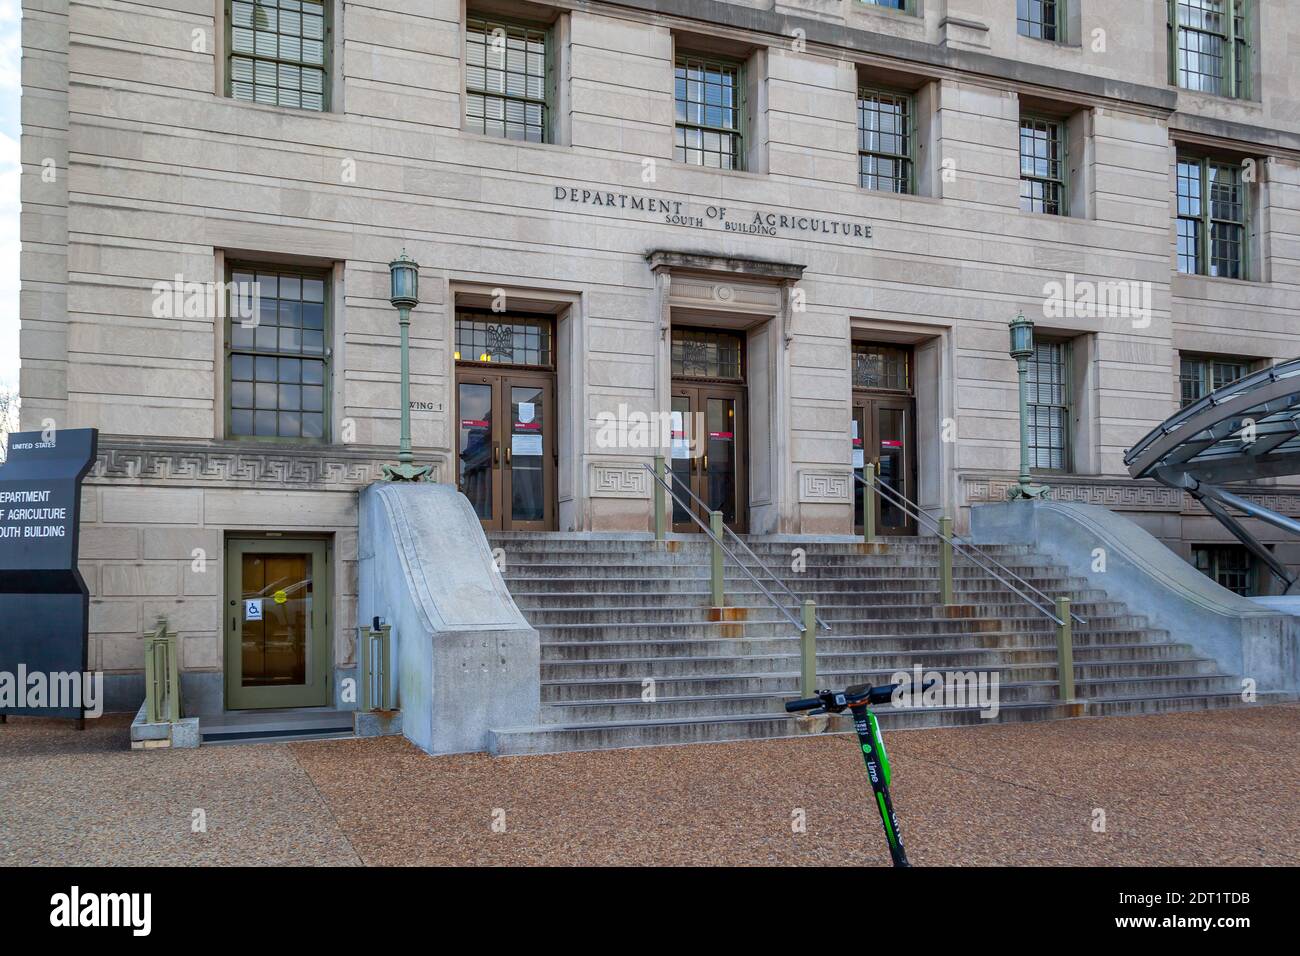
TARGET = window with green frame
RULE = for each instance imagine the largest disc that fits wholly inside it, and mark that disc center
(278, 362)
(1048, 389)
(709, 99)
(1209, 46)
(885, 137)
(1231, 565)
(508, 79)
(1042, 166)
(278, 52)
(1212, 218)
(1041, 19)
(1199, 375)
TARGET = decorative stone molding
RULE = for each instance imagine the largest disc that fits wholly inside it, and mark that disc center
(231, 464)
(1119, 494)
(825, 487)
(610, 479)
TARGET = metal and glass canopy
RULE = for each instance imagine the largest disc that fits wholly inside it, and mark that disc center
(1242, 432)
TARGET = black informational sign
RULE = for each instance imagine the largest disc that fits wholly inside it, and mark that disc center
(44, 604)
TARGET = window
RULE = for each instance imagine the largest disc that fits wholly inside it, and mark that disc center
(1040, 19)
(1202, 374)
(506, 80)
(885, 141)
(278, 364)
(1210, 46)
(1230, 565)
(278, 52)
(1211, 234)
(710, 112)
(888, 4)
(1048, 406)
(880, 367)
(699, 353)
(489, 337)
(1042, 166)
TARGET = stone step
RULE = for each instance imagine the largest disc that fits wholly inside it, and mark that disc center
(752, 630)
(673, 608)
(607, 735)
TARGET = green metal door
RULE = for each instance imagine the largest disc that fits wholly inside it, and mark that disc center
(277, 623)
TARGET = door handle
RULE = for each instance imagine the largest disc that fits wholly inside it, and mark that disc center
(508, 457)
(496, 454)
(706, 461)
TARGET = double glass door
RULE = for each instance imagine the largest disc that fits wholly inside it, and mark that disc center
(709, 454)
(883, 435)
(506, 448)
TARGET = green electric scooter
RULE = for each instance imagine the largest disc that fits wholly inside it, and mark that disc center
(858, 700)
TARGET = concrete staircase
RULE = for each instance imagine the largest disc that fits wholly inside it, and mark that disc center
(632, 655)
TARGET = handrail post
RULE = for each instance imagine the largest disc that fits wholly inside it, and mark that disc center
(660, 505)
(945, 560)
(868, 503)
(1064, 650)
(808, 650)
(715, 575)
(150, 684)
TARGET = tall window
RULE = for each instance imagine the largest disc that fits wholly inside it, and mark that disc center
(1231, 565)
(276, 357)
(1211, 218)
(1040, 19)
(710, 113)
(1042, 166)
(506, 85)
(1049, 406)
(278, 52)
(884, 141)
(1210, 46)
(1202, 374)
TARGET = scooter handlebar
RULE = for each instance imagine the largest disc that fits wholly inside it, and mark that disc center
(806, 703)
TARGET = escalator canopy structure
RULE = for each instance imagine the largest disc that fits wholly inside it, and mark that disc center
(1245, 431)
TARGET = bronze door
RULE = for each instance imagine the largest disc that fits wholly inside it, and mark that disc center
(506, 448)
(883, 434)
(709, 454)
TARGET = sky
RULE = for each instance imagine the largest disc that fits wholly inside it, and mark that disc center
(10, 85)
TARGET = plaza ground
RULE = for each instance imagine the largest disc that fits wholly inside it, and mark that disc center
(1179, 789)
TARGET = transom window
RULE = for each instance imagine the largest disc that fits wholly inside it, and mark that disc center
(1042, 166)
(884, 141)
(1210, 46)
(1211, 218)
(710, 113)
(502, 339)
(278, 52)
(277, 360)
(1202, 374)
(1049, 406)
(888, 4)
(702, 353)
(1231, 565)
(1040, 19)
(880, 367)
(506, 80)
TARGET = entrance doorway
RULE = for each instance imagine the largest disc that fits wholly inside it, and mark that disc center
(505, 407)
(883, 431)
(278, 649)
(709, 422)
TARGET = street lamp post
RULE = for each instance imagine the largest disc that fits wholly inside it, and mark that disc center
(404, 294)
(1022, 349)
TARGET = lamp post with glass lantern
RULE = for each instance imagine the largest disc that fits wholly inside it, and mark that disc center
(1022, 350)
(404, 294)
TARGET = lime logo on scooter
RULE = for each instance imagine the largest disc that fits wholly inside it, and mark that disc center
(857, 699)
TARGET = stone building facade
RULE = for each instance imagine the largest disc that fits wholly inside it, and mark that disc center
(794, 230)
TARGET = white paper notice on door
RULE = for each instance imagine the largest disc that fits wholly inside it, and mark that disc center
(681, 445)
(526, 445)
(526, 413)
(253, 609)
(857, 458)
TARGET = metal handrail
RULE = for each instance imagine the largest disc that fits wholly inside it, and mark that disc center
(725, 550)
(668, 473)
(970, 550)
